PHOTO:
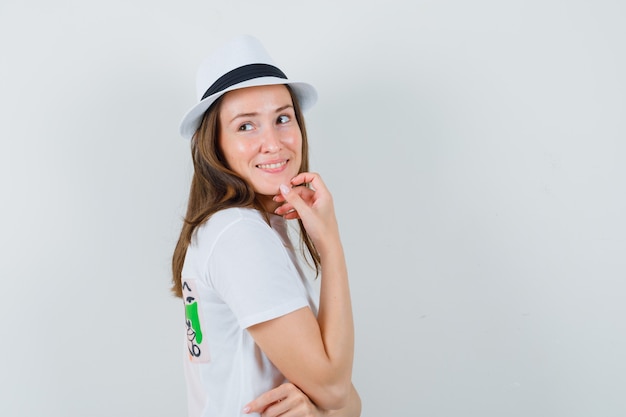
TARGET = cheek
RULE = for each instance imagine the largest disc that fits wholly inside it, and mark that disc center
(234, 151)
(294, 140)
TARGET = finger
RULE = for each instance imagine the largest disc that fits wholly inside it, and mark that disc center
(307, 194)
(292, 215)
(288, 214)
(309, 178)
(264, 400)
(279, 408)
(278, 198)
(294, 199)
(287, 211)
(294, 404)
(284, 209)
(287, 208)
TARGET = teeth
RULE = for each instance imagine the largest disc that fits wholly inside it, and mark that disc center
(272, 166)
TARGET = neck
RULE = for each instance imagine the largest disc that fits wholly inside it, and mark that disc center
(267, 203)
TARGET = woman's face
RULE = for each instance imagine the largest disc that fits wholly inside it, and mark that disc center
(260, 138)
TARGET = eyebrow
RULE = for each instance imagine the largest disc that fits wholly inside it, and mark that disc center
(244, 115)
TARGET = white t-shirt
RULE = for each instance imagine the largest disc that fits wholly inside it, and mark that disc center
(238, 272)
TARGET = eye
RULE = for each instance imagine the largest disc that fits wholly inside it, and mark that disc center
(283, 119)
(245, 127)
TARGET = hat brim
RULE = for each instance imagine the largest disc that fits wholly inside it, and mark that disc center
(305, 93)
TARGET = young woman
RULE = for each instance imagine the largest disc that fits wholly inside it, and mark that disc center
(257, 339)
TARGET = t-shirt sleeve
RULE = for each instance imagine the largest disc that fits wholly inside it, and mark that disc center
(251, 271)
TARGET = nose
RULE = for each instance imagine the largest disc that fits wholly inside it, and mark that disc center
(271, 141)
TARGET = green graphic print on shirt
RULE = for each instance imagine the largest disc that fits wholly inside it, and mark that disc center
(198, 351)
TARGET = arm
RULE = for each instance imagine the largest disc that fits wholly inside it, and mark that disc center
(353, 409)
(315, 354)
(287, 400)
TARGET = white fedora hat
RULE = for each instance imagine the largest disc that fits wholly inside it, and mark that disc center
(242, 62)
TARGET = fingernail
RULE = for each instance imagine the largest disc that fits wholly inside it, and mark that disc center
(246, 409)
(284, 190)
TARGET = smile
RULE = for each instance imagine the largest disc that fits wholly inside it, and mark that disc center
(272, 166)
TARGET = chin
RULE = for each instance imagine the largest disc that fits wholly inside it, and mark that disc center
(271, 186)
(269, 190)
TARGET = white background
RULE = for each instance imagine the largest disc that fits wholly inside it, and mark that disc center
(475, 150)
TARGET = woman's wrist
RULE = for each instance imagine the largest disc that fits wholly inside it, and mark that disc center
(329, 245)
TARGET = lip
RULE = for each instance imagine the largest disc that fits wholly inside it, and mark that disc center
(276, 165)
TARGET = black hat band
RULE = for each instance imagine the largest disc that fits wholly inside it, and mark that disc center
(241, 74)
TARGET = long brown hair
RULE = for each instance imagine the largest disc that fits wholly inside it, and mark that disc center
(215, 187)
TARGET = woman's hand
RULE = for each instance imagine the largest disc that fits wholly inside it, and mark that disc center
(308, 199)
(286, 400)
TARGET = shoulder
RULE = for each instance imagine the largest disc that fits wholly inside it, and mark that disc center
(234, 219)
(228, 234)
(234, 214)
(241, 243)
(233, 224)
